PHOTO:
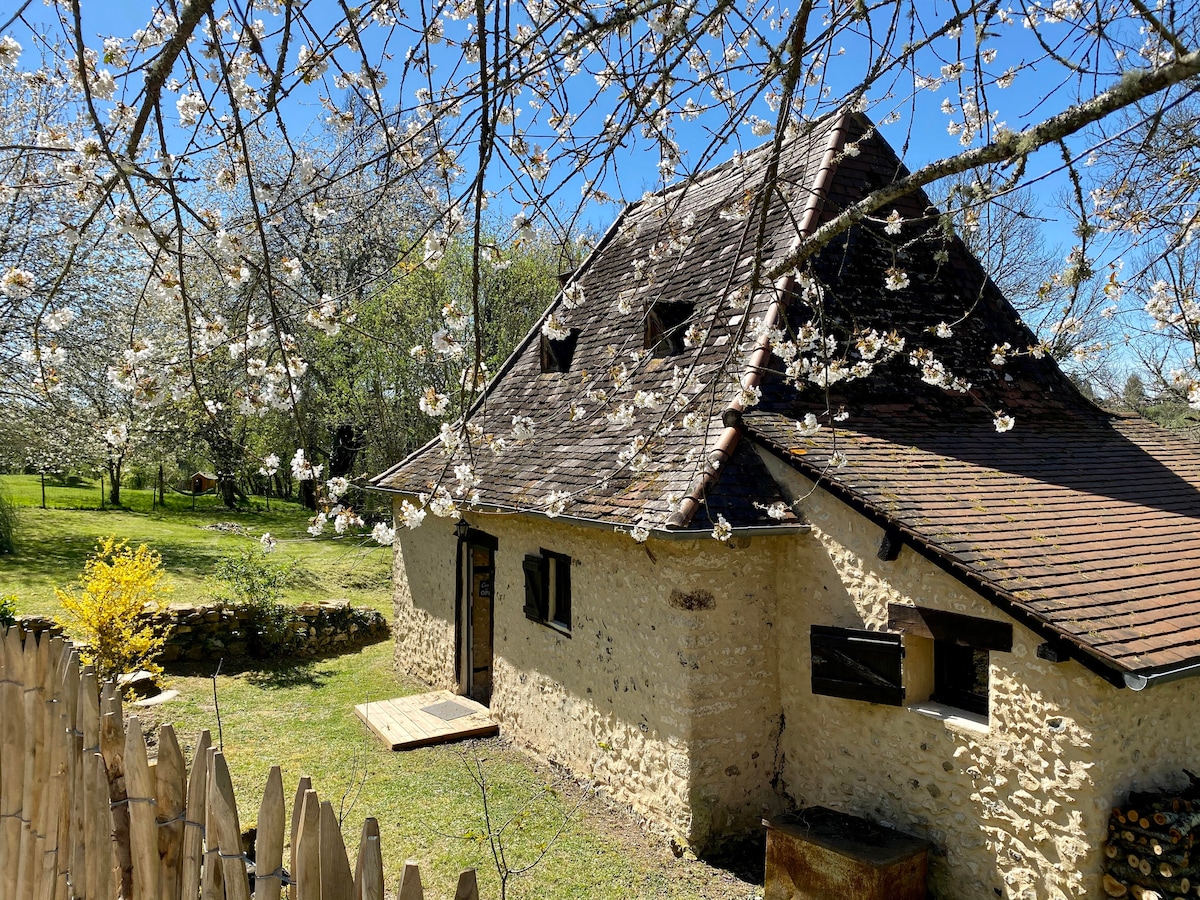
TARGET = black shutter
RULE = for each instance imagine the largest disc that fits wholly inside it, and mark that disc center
(535, 588)
(857, 664)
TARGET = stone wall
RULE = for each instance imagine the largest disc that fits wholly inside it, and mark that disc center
(424, 586)
(665, 690)
(212, 631)
(1015, 807)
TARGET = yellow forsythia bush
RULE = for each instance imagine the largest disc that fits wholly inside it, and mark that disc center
(118, 583)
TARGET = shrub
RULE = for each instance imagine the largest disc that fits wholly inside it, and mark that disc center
(8, 523)
(118, 585)
(249, 580)
(8, 611)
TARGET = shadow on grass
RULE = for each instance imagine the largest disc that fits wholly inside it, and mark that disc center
(268, 674)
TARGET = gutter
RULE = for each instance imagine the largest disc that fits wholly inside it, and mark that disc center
(659, 533)
(731, 416)
(1136, 681)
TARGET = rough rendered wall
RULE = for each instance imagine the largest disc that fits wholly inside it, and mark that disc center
(1017, 808)
(423, 581)
(666, 689)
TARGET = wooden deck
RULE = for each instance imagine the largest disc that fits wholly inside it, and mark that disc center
(435, 718)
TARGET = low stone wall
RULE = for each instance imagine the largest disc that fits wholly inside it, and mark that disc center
(220, 630)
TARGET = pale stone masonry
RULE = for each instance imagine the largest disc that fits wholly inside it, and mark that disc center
(701, 719)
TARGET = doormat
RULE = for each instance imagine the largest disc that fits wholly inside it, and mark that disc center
(447, 710)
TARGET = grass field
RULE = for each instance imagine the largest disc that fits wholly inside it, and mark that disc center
(300, 715)
(53, 543)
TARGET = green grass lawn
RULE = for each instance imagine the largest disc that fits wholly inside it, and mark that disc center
(53, 543)
(301, 715)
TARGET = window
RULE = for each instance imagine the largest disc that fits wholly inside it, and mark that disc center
(557, 355)
(857, 664)
(960, 677)
(951, 654)
(666, 324)
(548, 589)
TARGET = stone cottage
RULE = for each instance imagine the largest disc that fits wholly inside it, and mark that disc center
(983, 638)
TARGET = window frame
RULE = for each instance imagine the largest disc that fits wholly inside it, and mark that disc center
(548, 589)
(666, 324)
(955, 676)
(961, 645)
(557, 356)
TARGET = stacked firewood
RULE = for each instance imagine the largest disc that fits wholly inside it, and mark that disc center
(1151, 852)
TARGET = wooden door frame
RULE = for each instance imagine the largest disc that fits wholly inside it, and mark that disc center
(463, 664)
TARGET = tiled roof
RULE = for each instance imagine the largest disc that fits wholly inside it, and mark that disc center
(694, 243)
(1081, 524)
(1088, 524)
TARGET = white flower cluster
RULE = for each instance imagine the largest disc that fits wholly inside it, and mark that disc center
(933, 371)
(324, 317)
(270, 465)
(17, 284)
(302, 469)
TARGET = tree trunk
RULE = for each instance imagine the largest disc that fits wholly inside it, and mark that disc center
(228, 490)
(347, 441)
(114, 482)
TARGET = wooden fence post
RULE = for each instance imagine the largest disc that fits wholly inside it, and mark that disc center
(410, 882)
(143, 828)
(368, 872)
(12, 767)
(307, 852)
(193, 820)
(222, 802)
(468, 886)
(268, 846)
(170, 786)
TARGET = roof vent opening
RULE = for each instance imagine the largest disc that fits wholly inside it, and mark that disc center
(557, 355)
(666, 324)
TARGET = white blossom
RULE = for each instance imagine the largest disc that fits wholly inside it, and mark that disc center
(270, 465)
(383, 533)
(722, 531)
(58, 319)
(433, 403)
(117, 436)
(1003, 422)
(413, 516)
(522, 427)
(17, 283)
(554, 329)
(573, 295)
(809, 426)
(555, 502)
(10, 52)
(895, 279)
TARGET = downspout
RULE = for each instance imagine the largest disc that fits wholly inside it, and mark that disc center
(760, 359)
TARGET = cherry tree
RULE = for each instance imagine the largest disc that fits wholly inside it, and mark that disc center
(186, 147)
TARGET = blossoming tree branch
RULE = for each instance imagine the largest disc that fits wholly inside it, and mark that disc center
(238, 210)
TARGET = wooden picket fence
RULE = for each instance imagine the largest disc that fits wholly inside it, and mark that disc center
(86, 814)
